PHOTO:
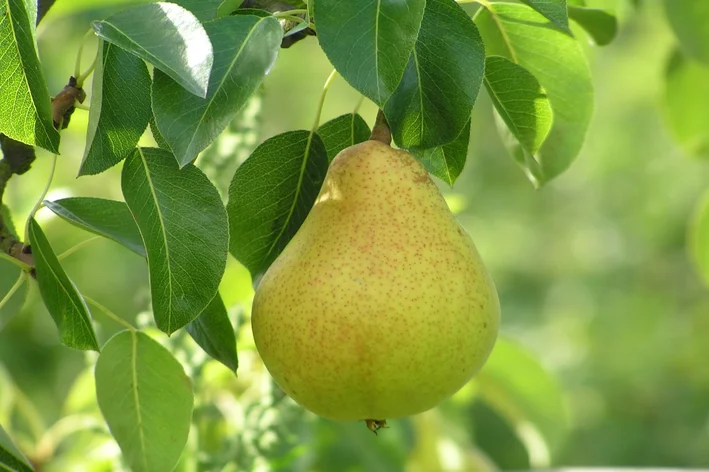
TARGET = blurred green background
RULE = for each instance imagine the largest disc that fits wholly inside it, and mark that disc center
(605, 320)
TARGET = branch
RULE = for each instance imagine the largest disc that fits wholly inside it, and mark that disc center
(17, 159)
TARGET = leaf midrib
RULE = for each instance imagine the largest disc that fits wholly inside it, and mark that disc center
(163, 232)
(221, 83)
(298, 188)
(503, 33)
(136, 396)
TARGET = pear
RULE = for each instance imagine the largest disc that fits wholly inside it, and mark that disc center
(380, 306)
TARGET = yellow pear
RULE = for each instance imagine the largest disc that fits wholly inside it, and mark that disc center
(380, 306)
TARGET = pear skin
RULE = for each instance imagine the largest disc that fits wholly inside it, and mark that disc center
(380, 306)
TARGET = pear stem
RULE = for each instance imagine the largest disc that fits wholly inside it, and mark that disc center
(381, 131)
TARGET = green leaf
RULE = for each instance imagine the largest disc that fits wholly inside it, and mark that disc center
(520, 100)
(246, 47)
(686, 99)
(699, 238)
(184, 229)
(519, 389)
(369, 41)
(204, 10)
(25, 106)
(11, 459)
(167, 36)
(213, 332)
(159, 140)
(343, 132)
(689, 20)
(271, 194)
(555, 10)
(601, 25)
(120, 108)
(146, 398)
(107, 218)
(446, 162)
(432, 104)
(522, 35)
(233, 146)
(60, 295)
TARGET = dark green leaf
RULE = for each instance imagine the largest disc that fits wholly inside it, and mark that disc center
(271, 194)
(159, 140)
(557, 61)
(213, 332)
(146, 398)
(233, 146)
(167, 36)
(245, 49)
(25, 106)
(11, 459)
(687, 103)
(601, 25)
(699, 238)
(107, 218)
(689, 20)
(120, 108)
(185, 232)
(204, 10)
(517, 387)
(60, 295)
(447, 161)
(432, 103)
(520, 101)
(555, 10)
(343, 132)
(369, 41)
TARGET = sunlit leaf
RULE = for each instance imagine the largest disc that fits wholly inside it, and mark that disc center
(146, 399)
(433, 101)
(686, 99)
(120, 108)
(167, 36)
(343, 132)
(271, 194)
(369, 41)
(107, 218)
(519, 99)
(60, 295)
(183, 225)
(556, 59)
(245, 48)
(25, 106)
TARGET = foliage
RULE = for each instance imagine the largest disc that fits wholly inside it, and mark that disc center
(192, 72)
